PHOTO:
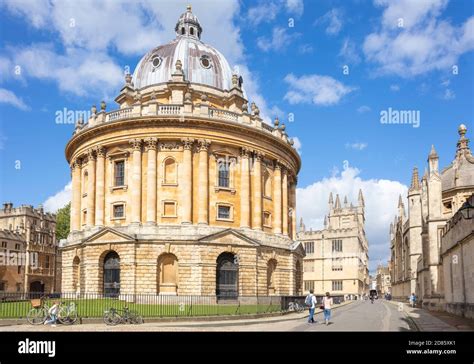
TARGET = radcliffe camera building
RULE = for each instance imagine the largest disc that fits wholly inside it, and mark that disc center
(183, 190)
(336, 258)
(432, 250)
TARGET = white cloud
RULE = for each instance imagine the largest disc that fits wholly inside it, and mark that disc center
(363, 109)
(394, 88)
(425, 42)
(58, 200)
(295, 7)
(305, 49)
(449, 94)
(262, 13)
(279, 41)
(317, 89)
(356, 146)
(380, 195)
(297, 144)
(349, 52)
(333, 21)
(8, 97)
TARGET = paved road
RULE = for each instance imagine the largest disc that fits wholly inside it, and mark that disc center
(356, 316)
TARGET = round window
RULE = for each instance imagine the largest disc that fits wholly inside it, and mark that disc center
(205, 62)
(156, 61)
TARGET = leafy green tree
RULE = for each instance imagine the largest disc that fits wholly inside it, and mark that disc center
(62, 221)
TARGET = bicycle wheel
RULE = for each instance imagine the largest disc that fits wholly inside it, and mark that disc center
(67, 316)
(112, 318)
(37, 316)
(136, 319)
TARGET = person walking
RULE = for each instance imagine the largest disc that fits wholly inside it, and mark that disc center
(311, 303)
(413, 299)
(327, 304)
(53, 314)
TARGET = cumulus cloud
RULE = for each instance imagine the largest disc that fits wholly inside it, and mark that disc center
(332, 20)
(59, 199)
(295, 7)
(8, 97)
(394, 88)
(413, 39)
(279, 40)
(297, 144)
(449, 94)
(380, 195)
(267, 11)
(316, 89)
(349, 52)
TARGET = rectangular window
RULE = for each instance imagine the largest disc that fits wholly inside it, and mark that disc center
(169, 209)
(2, 286)
(17, 246)
(309, 247)
(119, 212)
(267, 219)
(337, 285)
(337, 264)
(223, 212)
(4, 244)
(337, 246)
(46, 262)
(119, 173)
(308, 285)
(19, 269)
(224, 174)
(84, 217)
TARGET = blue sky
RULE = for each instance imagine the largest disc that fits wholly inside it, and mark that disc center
(292, 55)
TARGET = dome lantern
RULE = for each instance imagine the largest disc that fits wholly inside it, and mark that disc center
(188, 25)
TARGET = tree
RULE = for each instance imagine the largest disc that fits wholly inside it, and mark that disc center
(63, 216)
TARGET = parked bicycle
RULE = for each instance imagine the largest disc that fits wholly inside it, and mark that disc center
(67, 313)
(296, 306)
(114, 317)
(40, 311)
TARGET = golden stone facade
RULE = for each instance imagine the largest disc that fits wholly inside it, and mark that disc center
(182, 190)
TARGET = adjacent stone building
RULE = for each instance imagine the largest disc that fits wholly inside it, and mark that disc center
(336, 258)
(29, 250)
(182, 190)
(383, 280)
(420, 239)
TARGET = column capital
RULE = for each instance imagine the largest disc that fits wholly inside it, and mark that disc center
(258, 155)
(245, 152)
(76, 163)
(100, 151)
(187, 143)
(151, 143)
(136, 144)
(277, 164)
(90, 154)
(203, 145)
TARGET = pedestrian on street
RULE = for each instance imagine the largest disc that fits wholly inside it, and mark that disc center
(327, 304)
(310, 301)
(413, 299)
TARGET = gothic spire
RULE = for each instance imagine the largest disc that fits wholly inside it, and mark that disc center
(415, 180)
(338, 203)
(361, 198)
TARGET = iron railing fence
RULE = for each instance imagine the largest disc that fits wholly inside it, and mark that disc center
(93, 305)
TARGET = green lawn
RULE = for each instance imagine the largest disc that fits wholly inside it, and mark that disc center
(96, 308)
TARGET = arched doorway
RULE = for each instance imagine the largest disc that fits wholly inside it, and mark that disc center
(111, 274)
(271, 267)
(227, 276)
(76, 274)
(37, 287)
(167, 274)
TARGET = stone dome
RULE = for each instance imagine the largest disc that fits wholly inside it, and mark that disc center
(201, 63)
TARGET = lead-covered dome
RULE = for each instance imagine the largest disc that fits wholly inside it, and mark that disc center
(201, 63)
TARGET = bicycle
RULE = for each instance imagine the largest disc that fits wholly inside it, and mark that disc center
(296, 306)
(67, 313)
(40, 311)
(114, 317)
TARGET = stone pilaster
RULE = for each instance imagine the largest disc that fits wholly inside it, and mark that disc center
(257, 191)
(100, 187)
(187, 182)
(277, 198)
(136, 180)
(293, 207)
(244, 188)
(151, 181)
(284, 185)
(91, 188)
(76, 196)
(203, 188)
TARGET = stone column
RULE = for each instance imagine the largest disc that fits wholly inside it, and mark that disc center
(76, 196)
(203, 190)
(100, 187)
(277, 198)
(187, 182)
(151, 181)
(136, 180)
(293, 206)
(257, 191)
(285, 201)
(91, 188)
(244, 188)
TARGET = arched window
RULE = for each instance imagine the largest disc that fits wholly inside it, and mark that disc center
(183, 31)
(111, 274)
(191, 31)
(167, 274)
(76, 274)
(271, 267)
(267, 183)
(227, 276)
(85, 181)
(169, 171)
(224, 173)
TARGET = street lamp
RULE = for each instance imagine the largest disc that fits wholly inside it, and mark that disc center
(467, 210)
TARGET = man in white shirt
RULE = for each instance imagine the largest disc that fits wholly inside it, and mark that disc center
(311, 303)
